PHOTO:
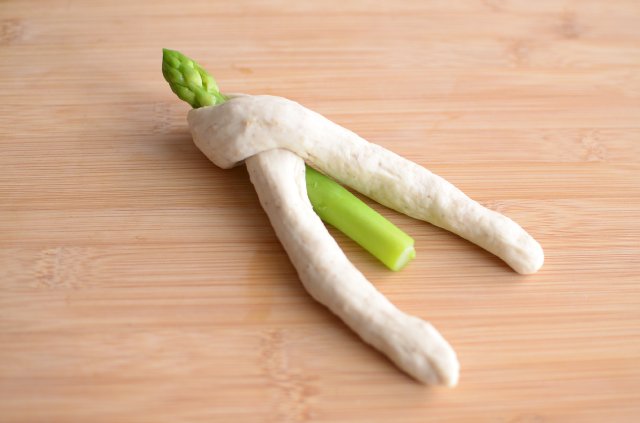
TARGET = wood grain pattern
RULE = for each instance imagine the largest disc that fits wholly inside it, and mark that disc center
(139, 283)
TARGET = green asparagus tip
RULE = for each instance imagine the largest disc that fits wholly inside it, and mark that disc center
(189, 81)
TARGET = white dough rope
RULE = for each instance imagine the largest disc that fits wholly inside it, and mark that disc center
(327, 274)
(275, 136)
(247, 125)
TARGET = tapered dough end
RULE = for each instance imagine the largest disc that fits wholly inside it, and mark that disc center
(420, 350)
(449, 370)
(443, 360)
(445, 370)
(536, 262)
(534, 259)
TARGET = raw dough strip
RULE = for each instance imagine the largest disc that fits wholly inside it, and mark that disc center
(247, 125)
(412, 344)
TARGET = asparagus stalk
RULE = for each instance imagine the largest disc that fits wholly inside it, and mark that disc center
(333, 203)
(343, 210)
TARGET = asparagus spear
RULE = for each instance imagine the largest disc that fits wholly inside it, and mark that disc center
(333, 203)
(338, 207)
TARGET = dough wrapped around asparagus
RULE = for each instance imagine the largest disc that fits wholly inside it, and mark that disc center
(247, 125)
(274, 137)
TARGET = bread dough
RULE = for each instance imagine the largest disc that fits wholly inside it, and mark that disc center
(247, 125)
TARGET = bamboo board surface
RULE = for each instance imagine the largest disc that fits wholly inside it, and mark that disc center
(140, 283)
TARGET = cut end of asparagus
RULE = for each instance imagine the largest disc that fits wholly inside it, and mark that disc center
(189, 81)
(404, 258)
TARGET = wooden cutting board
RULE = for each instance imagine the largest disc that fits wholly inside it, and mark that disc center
(140, 283)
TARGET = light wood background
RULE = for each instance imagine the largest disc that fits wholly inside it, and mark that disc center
(140, 283)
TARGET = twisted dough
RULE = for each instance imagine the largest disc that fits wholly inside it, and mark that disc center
(247, 125)
(274, 135)
(328, 275)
